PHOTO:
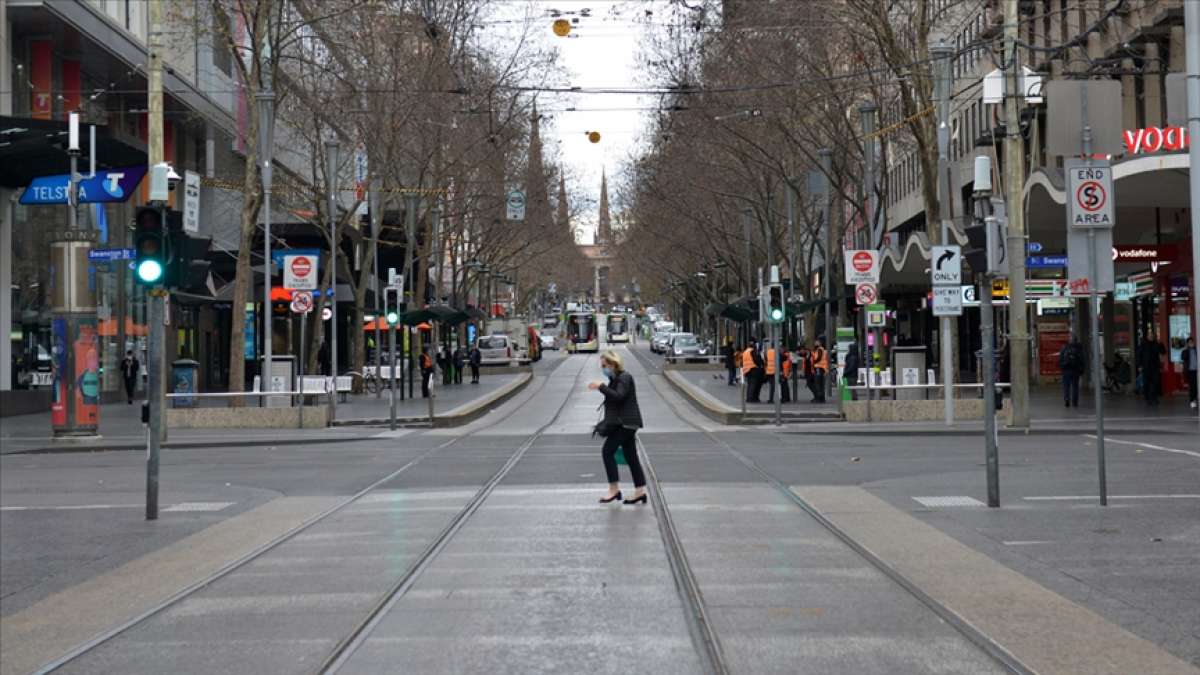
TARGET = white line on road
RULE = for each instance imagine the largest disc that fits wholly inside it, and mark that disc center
(1027, 542)
(1146, 445)
(1068, 498)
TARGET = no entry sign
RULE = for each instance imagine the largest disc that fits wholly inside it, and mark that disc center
(300, 272)
(1090, 195)
(862, 267)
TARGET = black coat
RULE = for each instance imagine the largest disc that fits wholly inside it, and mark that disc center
(620, 402)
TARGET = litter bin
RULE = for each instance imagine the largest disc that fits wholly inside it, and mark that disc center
(183, 381)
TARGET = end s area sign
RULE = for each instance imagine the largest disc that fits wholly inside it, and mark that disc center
(1090, 195)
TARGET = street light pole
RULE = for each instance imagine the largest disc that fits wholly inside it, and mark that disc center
(376, 226)
(1014, 185)
(266, 143)
(331, 176)
(1191, 21)
(942, 55)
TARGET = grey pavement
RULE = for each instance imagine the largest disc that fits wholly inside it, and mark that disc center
(542, 579)
(366, 407)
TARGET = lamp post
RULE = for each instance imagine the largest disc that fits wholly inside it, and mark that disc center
(331, 170)
(376, 225)
(266, 141)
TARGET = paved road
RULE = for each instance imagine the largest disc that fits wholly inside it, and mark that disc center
(482, 549)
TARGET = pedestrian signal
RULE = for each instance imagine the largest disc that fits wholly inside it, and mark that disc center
(392, 299)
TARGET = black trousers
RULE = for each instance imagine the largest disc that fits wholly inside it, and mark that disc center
(622, 438)
(458, 373)
(1191, 382)
(474, 373)
(426, 377)
(817, 385)
(130, 385)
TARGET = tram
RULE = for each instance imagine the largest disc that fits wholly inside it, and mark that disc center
(582, 332)
(618, 328)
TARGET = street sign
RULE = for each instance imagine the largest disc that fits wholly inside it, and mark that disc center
(300, 272)
(862, 267)
(1078, 241)
(1033, 247)
(302, 302)
(112, 254)
(1045, 261)
(947, 300)
(393, 277)
(866, 294)
(516, 205)
(945, 269)
(114, 185)
(191, 202)
(876, 315)
(969, 297)
(1090, 195)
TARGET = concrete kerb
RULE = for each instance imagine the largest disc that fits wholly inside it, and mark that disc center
(711, 407)
(188, 445)
(456, 417)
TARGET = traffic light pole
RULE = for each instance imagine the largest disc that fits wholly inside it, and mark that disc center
(776, 330)
(991, 451)
(392, 374)
(156, 301)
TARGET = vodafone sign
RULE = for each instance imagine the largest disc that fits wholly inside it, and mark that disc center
(300, 272)
(1143, 253)
(1155, 139)
(862, 267)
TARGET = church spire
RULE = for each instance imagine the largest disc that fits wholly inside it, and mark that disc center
(604, 228)
(563, 217)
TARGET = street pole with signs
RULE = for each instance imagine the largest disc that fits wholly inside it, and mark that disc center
(943, 54)
(266, 144)
(331, 176)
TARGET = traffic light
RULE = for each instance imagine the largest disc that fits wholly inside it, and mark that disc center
(776, 309)
(392, 305)
(151, 246)
(187, 268)
(976, 250)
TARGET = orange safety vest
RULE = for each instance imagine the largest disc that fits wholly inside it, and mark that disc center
(771, 361)
(426, 362)
(787, 366)
(747, 361)
(821, 359)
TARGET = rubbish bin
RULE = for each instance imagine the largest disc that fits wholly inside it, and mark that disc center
(183, 381)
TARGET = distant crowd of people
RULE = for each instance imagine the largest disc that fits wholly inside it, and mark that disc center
(758, 367)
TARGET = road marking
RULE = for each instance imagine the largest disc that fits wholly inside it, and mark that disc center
(942, 502)
(182, 506)
(1068, 498)
(1029, 542)
(1146, 445)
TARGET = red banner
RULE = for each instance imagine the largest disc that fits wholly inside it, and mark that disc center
(72, 84)
(1049, 345)
(41, 79)
(87, 376)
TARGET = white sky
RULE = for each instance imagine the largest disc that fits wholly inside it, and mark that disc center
(601, 52)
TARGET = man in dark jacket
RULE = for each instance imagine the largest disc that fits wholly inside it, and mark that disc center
(130, 371)
(1073, 364)
(730, 364)
(1150, 362)
(460, 360)
(853, 363)
(475, 359)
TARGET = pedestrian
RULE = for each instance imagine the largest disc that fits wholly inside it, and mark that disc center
(752, 372)
(853, 363)
(1072, 363)
(785, 376)
(426, 372)
(445, 362)
(475, 358)
(460, 359)
(131, 369)
(1189, 369)
(820, 360)
(622, 419)
(1004, 374)
(730, 364)
(771, 366)
(1150, 361)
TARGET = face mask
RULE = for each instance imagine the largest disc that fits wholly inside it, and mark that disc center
(608, 372)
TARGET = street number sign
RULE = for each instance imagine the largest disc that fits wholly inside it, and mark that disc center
(300, 272)
(516, 205)
(302, 302)
(947, 300)
(1090, 195)
(945, 269)
(862, 267)
(866, 294)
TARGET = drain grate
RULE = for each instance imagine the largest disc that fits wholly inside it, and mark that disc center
(198, 506)
(946, 502)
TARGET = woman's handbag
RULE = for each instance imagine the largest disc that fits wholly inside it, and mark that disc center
(604, 429)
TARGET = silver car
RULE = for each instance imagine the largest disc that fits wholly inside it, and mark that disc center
(683, 345)
(495, 350)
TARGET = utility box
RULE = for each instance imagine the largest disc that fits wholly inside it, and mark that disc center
(279, 378)
(183, 381)
(909, 367)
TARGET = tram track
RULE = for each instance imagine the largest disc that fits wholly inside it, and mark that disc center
(395, 590)
(1002, 657)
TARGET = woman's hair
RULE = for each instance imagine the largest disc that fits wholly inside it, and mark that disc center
(614, 358)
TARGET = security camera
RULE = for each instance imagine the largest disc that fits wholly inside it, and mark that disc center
(173, 178)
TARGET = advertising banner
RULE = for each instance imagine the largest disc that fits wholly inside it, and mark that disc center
(58, 367)
(87, 375)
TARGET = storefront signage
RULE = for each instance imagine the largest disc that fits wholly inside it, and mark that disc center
(106, 186)
(1124, 291)
(1045, 261)
(1147, 253)
(1155, 139)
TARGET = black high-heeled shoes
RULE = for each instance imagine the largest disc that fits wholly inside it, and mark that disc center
(636, 500)
(611, 499)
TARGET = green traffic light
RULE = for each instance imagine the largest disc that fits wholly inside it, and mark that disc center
(149, 271)
(777, 314)
(393, 317)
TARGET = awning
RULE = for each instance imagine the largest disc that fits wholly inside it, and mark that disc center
(33, 148)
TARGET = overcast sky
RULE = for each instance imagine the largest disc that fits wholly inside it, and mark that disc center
(601, 52)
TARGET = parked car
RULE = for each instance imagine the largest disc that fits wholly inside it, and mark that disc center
(550, 342)
(496, 350)
(658, 343)
(682, 345)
